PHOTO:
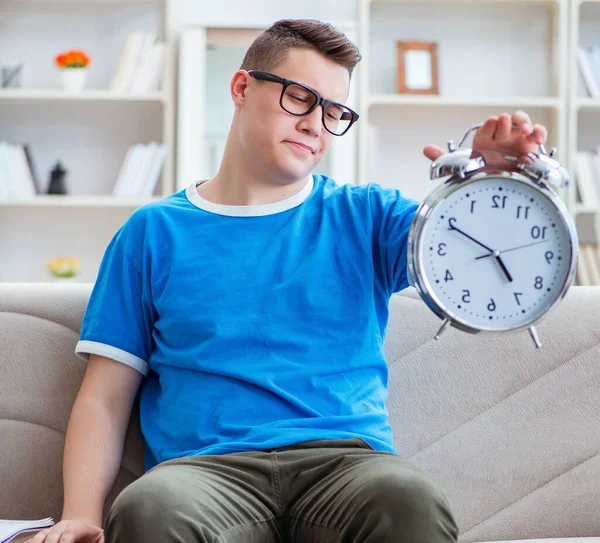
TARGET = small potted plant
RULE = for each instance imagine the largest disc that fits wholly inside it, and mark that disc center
(64, 268)
(73, 65)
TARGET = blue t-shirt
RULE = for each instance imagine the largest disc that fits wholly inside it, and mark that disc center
(256, 326)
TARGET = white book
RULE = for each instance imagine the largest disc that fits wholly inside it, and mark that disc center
(141, 85)
(587, 254)
(585, 175)
(587, 73)
(158, 64)
(26, 183)
(126, 182)
(119, 75)
(594, 61)
(144, 169)
(9, 529)
(15, 172)
(123, 171)
(133, 52)
(157, 160)
(5, 185)
(583, 276)
(134, 85)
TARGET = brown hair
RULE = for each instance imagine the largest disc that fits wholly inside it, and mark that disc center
(271, 47)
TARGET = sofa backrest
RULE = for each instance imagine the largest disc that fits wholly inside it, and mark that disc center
(510, 433)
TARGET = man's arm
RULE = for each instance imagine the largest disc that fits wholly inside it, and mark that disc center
(95, 437)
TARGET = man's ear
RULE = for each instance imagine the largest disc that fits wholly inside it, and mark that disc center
(239, 87)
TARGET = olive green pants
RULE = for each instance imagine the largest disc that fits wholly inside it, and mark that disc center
(320, 491)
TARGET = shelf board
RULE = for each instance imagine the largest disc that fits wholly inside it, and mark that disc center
(50, 95)
(582, 208)
(521, 2)
(429, 100)
(86, 200)
(587, 103)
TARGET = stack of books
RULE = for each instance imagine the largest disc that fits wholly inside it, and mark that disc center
(588, 265)
(588, 60)
(9, 529)
(141, 65)
(141, 170)
(587, 176)
(17, 174)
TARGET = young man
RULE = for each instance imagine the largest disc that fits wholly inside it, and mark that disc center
(255, 306)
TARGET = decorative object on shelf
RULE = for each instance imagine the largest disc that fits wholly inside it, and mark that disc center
(493, 249)
(417, 67)
(73, 65)
(57, 183)
(11, 77)
(64, 267)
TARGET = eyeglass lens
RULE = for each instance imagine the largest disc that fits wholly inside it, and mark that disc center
(298, 100)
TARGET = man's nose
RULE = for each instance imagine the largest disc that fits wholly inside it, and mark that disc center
(313, 122)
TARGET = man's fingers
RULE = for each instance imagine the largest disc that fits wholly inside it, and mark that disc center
(522, 120)
(40, 537)
(540, 134)
(433, 152)
(503, 127)
(488, 129)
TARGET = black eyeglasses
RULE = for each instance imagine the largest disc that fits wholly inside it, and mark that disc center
(298, 99)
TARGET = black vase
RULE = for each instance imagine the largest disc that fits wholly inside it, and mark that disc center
(57, 180)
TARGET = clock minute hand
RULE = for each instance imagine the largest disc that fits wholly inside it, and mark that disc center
(514, 248)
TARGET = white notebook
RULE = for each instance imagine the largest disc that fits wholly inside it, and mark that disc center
(9, 529)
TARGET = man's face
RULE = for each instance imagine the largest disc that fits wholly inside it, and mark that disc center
(290, 146)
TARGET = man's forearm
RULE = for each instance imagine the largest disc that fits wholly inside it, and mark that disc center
(92, 456)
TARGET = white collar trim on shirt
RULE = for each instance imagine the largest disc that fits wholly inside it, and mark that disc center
(258, 210)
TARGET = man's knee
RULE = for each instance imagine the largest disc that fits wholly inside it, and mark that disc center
(138, 506)
(407, 502)
(151, 509)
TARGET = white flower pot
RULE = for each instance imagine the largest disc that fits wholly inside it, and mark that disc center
(73, 79)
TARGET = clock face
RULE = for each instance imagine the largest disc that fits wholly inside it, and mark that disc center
(496, 253)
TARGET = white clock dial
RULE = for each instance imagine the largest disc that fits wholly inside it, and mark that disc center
(496, 253)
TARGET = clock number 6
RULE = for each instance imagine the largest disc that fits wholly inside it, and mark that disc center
(492, 305)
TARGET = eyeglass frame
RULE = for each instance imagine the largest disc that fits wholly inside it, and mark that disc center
(259, 75)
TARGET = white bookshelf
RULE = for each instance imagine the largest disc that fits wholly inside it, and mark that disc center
(493, 56)
(88, 132)
(584, 112)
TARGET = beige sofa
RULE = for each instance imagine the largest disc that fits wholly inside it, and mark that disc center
(511, 433)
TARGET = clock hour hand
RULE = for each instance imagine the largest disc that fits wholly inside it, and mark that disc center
(504, 268)
(493, 253)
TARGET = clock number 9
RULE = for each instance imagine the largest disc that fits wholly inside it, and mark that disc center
(549, 256)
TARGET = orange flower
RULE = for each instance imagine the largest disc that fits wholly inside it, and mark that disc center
(74, 58)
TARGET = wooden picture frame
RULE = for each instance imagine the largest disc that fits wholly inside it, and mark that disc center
(417, 67)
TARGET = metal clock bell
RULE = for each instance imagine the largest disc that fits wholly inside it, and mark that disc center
(493, 249)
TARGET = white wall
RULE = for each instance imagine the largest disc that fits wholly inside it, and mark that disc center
(259, 12)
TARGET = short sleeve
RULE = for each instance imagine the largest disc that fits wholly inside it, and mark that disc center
(119, 317)
(393, 216)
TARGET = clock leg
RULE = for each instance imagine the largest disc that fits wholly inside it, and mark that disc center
(445, 325)
(535, 337)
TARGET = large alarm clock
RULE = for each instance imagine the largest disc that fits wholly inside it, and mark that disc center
(493, 249)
